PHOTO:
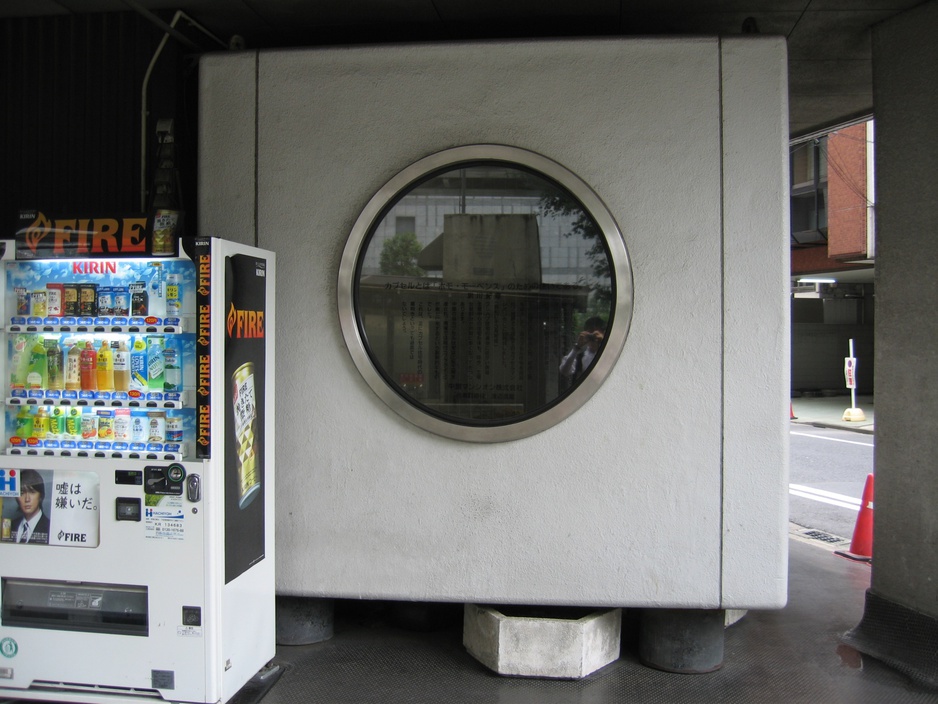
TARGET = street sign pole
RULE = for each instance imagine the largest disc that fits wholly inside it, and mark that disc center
(850, 375)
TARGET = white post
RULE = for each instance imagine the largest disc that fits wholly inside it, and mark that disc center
(853, 387)
(850, 374)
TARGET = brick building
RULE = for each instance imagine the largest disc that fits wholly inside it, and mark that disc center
(832, 219)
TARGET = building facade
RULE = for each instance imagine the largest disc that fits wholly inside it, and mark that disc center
(832, 256)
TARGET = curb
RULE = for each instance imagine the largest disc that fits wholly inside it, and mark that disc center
(835, 426)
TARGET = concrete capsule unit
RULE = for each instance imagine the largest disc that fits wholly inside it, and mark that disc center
(667, 488)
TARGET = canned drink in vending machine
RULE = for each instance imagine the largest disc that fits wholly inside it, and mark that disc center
(22, 300)
(39, 303)
(245, 426)
(173, 295)
(156, 426)
(121, 298)
(122, 424)
(139, 430)
(89, 426)
(70, 299)
(105, 423)
(88, 299)
(173, 428)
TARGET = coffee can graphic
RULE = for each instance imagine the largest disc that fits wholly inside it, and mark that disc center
(7, 531)
(245, 422)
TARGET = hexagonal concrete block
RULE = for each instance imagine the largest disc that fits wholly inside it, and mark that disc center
(524, 643)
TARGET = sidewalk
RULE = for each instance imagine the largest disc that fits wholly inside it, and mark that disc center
(792, 655)
(828, 412)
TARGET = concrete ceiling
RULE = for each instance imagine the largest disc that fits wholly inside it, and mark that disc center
(829, 40)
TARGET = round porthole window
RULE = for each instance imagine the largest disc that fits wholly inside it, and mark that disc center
(485, 293)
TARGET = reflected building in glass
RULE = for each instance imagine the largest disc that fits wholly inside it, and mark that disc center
(474, 284)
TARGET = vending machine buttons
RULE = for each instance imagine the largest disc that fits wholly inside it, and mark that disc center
(128, 509)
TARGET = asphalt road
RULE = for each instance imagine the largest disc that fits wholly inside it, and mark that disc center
(827, 472)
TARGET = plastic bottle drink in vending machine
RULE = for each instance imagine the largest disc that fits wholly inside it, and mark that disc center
(121, 366)
(172, 375)
(105, 367)
(138, 365)
(38, 375)
(19, 362)
(73, 367)
(24, 423)
(89, 368)
(156, 363)
(73, 424)
(57, 423)
(55, 365)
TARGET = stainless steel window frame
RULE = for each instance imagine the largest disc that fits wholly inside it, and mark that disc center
(621, 271)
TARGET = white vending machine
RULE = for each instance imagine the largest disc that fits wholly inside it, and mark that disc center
(137, 473)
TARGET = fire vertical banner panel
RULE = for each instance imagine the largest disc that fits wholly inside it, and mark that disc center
(245, 358)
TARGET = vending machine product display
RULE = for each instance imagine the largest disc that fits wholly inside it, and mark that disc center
(137, 468)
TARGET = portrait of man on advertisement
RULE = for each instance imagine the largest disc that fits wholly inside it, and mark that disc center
(32, 524)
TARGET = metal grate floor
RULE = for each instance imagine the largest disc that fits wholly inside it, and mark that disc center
(792, 655)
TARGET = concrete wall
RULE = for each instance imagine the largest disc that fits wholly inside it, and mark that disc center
(669, 486)
(817, 356)
(905, 73)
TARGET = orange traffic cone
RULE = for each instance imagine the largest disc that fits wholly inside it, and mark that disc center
(791, 408)
(861, 547)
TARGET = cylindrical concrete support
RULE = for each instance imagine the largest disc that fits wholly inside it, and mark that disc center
(682, 640)
(303, 620)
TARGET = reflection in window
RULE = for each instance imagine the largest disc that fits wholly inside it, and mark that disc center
(484, 293)
(808, 180)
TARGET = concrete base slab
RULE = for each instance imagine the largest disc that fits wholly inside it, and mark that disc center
(546, 642)
(734, 616)
(854, 414)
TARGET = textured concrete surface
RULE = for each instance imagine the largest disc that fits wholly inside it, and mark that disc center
(551, 645)
(659, 484)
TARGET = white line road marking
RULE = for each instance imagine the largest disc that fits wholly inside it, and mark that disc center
(825, 497)
(821, 437)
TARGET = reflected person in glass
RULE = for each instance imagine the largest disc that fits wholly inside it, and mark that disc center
(584, 351)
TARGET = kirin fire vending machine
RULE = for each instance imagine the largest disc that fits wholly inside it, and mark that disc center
(137, 473)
